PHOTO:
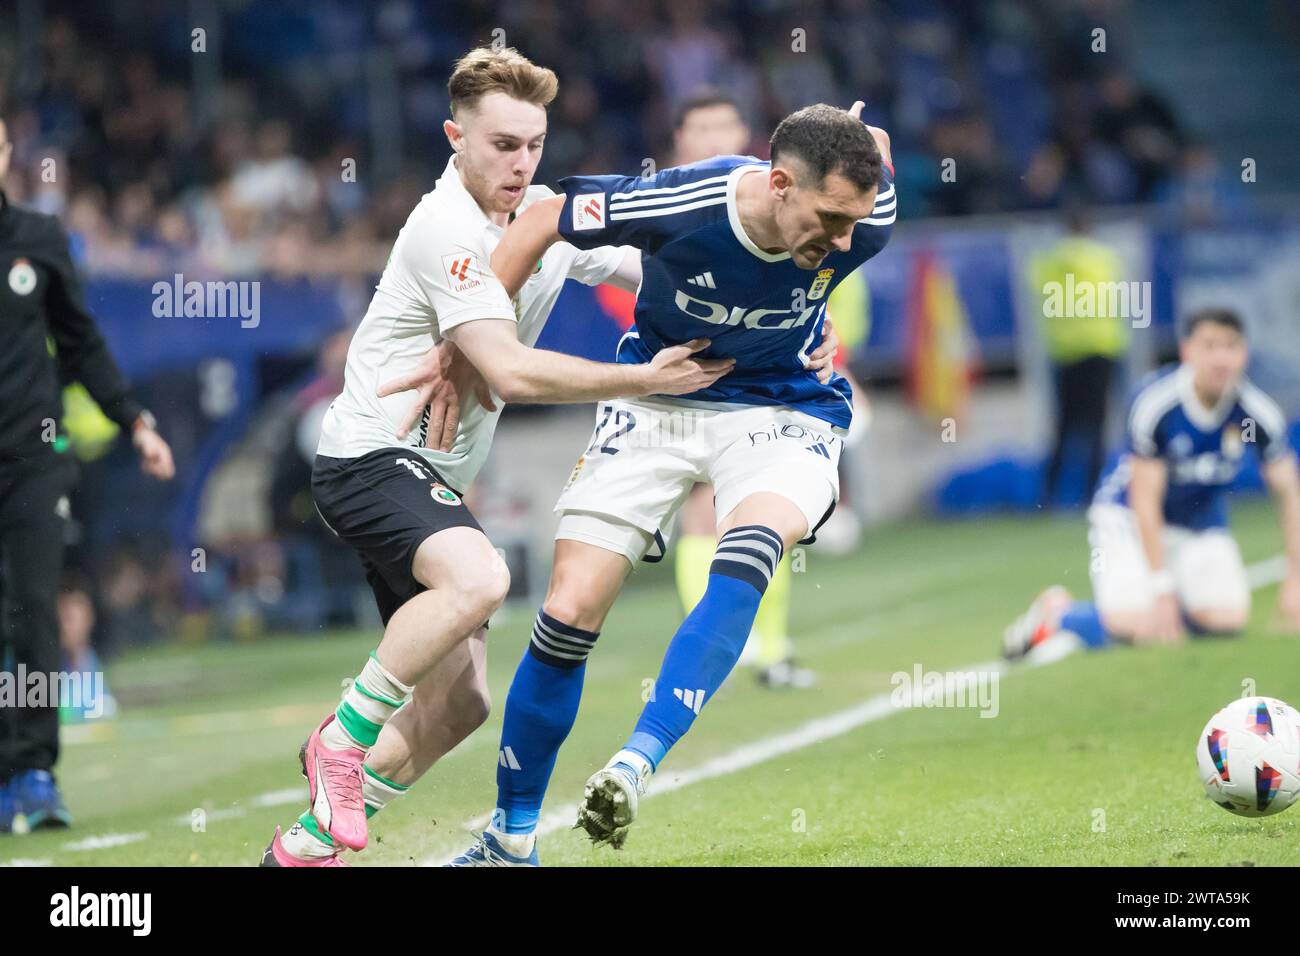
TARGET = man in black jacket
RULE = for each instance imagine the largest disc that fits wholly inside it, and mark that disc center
(40, 299)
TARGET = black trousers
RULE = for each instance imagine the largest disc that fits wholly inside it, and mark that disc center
(32, 528)
(1082, 397)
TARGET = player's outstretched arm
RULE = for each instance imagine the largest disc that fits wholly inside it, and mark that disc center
(628, 274)
(518, 373)
(1283, 479)
(525, 242)
(1146, 496)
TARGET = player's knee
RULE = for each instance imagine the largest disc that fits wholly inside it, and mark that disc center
(491, 585)
(481, 586)
(574, 608)
(770, 510)
(1218, 620)
(1123, 622)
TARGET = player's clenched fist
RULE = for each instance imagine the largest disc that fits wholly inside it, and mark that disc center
(675, 370)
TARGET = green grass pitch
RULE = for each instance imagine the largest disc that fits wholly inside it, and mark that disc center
(1088, 761)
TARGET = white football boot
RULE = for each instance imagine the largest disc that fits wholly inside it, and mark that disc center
(609, 801)
(1036, 624)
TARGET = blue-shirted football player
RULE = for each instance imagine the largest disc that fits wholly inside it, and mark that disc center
(738, 257)
(1163, 560)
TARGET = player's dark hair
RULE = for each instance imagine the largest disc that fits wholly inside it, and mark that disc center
(828, 140)
(702, 100)
(1227, 318)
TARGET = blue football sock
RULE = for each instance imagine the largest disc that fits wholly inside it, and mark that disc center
(708, 644)
(540, 710)
(1084, 619)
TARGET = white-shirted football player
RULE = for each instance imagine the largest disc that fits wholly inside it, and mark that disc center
(435, 575)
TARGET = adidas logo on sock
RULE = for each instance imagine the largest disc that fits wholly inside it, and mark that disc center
(694, 699)
(704, 279)
(506, 758)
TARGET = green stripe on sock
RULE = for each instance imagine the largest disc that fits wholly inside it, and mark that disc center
(308, 823)
(356, 684)
(384, 780)
(371, 811)
(364, 732)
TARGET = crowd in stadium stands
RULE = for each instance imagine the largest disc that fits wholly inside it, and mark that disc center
(153, 176)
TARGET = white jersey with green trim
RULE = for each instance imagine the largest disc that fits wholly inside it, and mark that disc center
(439, 276)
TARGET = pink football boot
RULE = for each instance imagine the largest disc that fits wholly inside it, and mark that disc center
(334, 788)
(277, 855)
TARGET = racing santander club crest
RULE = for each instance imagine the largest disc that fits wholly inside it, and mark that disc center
(818, 288)
(443, 495)
(22, 277)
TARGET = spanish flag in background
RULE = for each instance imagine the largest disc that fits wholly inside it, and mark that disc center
(941, 355)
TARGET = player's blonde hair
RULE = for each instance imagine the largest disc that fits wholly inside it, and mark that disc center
(483, 70)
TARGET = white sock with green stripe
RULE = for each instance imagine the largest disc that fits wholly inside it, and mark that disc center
(378, 791)
(307, 841)
(373, 698)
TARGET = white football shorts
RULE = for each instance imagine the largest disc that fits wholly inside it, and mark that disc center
(645, 456)
(1207, 566)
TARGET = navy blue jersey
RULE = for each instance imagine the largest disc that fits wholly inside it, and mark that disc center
(1202, 447)
(703, 277)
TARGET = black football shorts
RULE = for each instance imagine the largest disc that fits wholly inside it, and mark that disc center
(385, 504)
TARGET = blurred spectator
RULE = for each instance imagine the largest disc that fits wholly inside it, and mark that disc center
(271, 172)
(76, 612)
(1142, 127)
(980, 182)
(323, 128)
(127, 592)
(1201, 193)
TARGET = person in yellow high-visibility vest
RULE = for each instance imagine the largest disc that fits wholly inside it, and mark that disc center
(1085, 338)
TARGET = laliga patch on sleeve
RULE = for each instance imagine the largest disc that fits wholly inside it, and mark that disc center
(588, 211)
(463, 273)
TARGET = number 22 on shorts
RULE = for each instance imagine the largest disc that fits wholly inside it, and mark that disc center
(624, 422)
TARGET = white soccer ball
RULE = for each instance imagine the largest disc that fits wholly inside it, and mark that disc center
(1249, 756)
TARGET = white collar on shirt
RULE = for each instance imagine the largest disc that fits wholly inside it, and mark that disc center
(733, 216)
(450, 188)
(1206, 419)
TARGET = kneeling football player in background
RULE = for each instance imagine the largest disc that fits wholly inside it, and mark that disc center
(1164, 560)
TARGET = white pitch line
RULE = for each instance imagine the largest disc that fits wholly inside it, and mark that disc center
(809, 734)
(1266, 572)
(814, 732)
(273, 798)
(106, 841)
(278, 798)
